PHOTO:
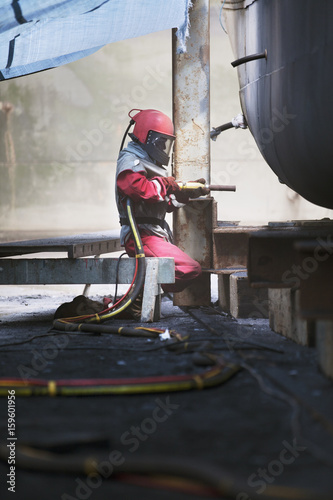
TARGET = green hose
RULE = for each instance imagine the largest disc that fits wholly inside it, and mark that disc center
(135, 290)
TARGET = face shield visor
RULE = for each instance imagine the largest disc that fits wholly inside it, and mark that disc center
(158, 146)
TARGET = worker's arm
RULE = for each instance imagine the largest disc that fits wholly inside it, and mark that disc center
(136, 186)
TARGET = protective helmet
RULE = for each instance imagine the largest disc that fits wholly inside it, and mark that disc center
(154, 131)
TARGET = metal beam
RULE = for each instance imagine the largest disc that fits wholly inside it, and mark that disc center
(191, 158)
(191, 98)
(77, 271)
(195, 225)
(273, 260)
(80, 245)
(230, 245)
(316, 291)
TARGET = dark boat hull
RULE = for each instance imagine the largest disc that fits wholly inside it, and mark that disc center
(287, 97)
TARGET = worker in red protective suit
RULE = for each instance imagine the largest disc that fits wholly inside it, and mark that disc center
(142, 176)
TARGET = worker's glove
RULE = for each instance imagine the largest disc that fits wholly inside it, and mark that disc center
(183, 195)
(174, 202)
(195, 193)
(170, 184)
(173, 190)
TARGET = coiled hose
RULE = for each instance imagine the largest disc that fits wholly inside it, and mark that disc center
(71, 324)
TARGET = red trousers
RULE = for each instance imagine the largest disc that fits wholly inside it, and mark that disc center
(186, 268)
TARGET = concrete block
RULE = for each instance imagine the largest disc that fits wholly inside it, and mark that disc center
(247, 302)
(284, 316)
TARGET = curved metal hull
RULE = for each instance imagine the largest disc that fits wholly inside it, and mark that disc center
(287, 97)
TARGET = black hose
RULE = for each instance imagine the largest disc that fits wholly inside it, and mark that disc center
(217, 130)
(224, 483)
(98, 329)
(133, 293)
(124, 136)
(141, 271)
(117, 273)
(251, 57)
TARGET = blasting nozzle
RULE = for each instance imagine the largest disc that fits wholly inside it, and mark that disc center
(210, 187)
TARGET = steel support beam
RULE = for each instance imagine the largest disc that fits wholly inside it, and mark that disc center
(78, 271)
(195, 223)
(274, 261)
(191, 158)
(80, 245)
(296, 255)
(316, 291)
(230, 245)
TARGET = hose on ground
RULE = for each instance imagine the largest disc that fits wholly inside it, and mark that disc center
(132, 293)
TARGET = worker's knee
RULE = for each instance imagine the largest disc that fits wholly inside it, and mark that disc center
(188, 270)
(196, 269)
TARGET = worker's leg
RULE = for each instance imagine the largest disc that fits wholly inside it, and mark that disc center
(186, 268)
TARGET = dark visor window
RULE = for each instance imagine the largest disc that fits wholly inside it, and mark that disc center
(160, 141)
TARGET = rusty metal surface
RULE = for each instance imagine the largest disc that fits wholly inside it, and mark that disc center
(191, 157)
(191, 99)
(197, 294)
(79, 245)
(193, 230)
(316, 298)
(274, 261)
(230, 245)
(315, 279)
(193, 235)
(230, 249)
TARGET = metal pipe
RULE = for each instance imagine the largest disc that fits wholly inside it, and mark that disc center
(252, 57)
(217, 130)
(219, 187)
(211, 187)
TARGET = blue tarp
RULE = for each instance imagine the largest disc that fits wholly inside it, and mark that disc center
(41, 34)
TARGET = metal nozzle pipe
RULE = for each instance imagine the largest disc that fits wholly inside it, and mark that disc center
(211, 187)
(219, 187)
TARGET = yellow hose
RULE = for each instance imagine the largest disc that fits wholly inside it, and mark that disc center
(210, 378)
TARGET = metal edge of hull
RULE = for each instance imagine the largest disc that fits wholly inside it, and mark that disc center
(287, 98)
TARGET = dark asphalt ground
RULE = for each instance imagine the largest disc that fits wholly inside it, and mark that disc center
(268, 426)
